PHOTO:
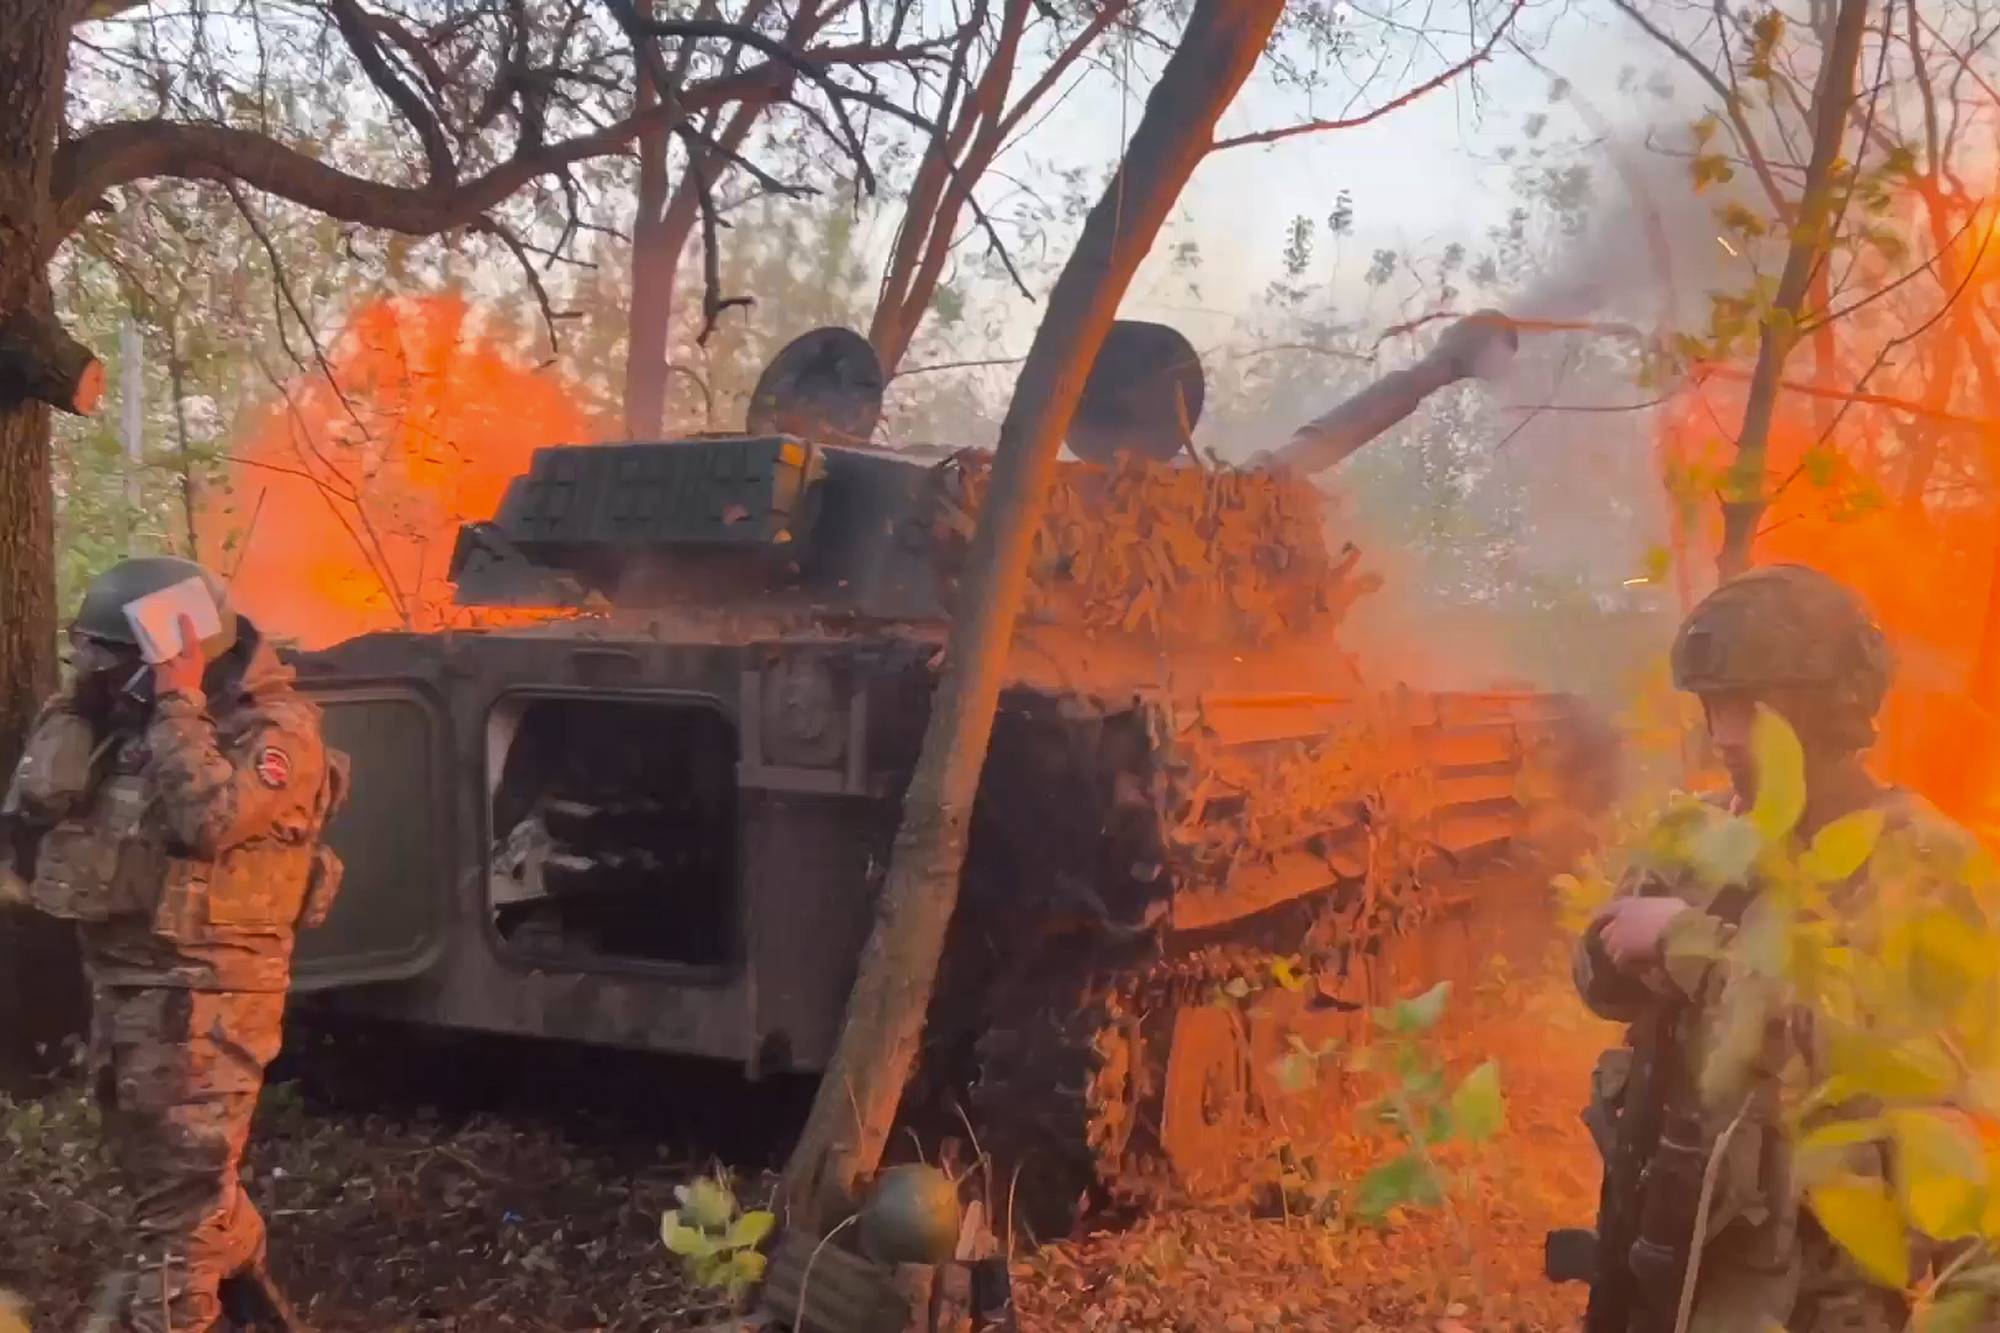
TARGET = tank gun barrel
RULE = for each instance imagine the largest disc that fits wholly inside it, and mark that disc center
(1479, 344)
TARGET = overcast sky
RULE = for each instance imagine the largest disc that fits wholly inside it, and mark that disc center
(1421, 176)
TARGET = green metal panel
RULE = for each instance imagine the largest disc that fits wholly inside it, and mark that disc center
(387, 924)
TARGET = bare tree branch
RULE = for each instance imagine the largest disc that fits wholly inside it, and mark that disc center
(1732, 107)
(117, 154)
(359, 34)
(487, 226)
(1473, 61)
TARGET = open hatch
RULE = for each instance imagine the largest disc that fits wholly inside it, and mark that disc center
(614, 830)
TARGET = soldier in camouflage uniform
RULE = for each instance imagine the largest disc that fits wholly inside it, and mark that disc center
(174, 812)
(1798, 642)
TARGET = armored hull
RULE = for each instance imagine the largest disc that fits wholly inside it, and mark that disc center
(657, 813)
(646, 797)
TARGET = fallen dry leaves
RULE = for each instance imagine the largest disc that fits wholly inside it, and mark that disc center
(518, 1222)
(1474, 1267)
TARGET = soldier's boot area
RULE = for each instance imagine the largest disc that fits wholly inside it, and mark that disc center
(188, 1204)
(253, 1302)
(108, 1303)
(183, 1069)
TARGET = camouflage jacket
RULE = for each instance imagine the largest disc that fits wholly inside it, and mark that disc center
(1760, 1245)
(187, 851)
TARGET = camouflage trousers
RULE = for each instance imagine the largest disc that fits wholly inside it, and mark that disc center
(178, 1073)
(1818, 1291)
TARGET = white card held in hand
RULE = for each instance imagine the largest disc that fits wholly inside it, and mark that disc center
(156, 618)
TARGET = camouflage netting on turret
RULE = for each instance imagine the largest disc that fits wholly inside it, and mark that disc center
(1187, 557)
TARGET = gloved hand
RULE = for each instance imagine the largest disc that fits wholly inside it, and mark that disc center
(1632, 930)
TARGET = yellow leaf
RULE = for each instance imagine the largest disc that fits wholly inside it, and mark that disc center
(1843, 847)
(1282, 973)
(1781, 775)
(1823, 1152)
(1914, 1069)
(752, 1227)
(1940, 1173)
(1950, 961)
(1859, 1214)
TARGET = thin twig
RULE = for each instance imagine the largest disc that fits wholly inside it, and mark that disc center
(1430, 85)
(1708, 1178)
(249, 533)
(487, 226)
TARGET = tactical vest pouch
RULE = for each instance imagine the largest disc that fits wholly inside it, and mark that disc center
(81, 874)
(54, 775)
(322, 887)
(1607, 1098)
(256, 888)
(182, 912)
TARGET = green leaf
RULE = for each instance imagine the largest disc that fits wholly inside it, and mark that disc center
(1422, 1083)
(1406, 1181)
(1864, 1220)
(1843, 846)
(751, 1228)
(1723, 851)
(1940, 1172)
(708, 1202)
(688, 1242)
(1439, 1126)
(1295, 1072)
(1418, 1014)
(1954, 1312)
(1477, 1105)
(1781, 775)
(747, 1266)
(1821, 466)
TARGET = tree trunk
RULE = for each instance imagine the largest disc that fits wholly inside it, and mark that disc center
(34, 40)
(1743, 499)
(38, 979)
(859, 1095)
(652, 283)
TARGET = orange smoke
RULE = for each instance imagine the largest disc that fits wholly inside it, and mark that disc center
(1902, 506)
(345, 499)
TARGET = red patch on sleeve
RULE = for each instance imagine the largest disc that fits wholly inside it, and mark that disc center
(274, 767)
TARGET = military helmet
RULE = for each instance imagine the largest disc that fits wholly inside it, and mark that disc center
(102, 615)
(1788, 627)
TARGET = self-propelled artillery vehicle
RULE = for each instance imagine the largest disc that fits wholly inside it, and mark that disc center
(650, 804)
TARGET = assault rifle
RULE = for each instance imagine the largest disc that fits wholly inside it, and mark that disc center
(1627, 1133)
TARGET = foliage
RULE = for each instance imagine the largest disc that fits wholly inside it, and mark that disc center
(715, 1238)
(1884, 932)
(1417, 1113)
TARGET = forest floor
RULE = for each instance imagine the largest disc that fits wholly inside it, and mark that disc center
(530, 1207)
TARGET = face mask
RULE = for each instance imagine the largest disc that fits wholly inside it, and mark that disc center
(109, 677)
